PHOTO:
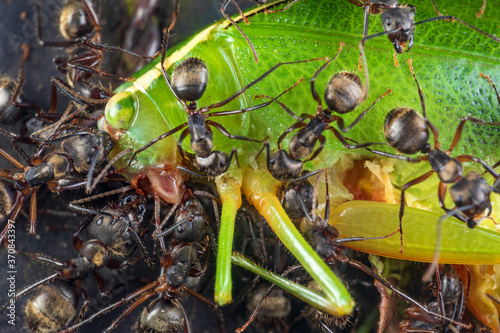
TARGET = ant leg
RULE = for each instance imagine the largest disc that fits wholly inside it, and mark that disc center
(340, 121)
(284, 107)
(163, 50)
(103, 47)
(406, 186)
(433, 128)
(481, 11)
(461, 125)
(33, 212)
(254, 82)
(282, 9)
(469, 158)
(454, 18)
(356, 264)
(12, 159)
(223, 12)
(224, 131)
(435, 260)
(299, 124)
(127, 311)
(152, 142)
(322, 68)
(225, 113)
(492, 84)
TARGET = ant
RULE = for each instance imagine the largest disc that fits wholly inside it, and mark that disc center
(399, 23)
(408, 132)
(56, 161)
(79, 25)
(447, 296)
(188, 84)
(179, 263)
(55, 305)
(13, 105)
(343, 93)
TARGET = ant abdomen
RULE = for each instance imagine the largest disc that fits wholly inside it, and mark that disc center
(344, 92)
(74, 22)
(406, 131)
(9, 113)
(190, 79)
(51, 307)
(7, 199)
(160, 316)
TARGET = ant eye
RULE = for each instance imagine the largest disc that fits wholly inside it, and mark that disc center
(222, 164)
(180, 229)
(388, 21)
(307, 194)
(99, 221)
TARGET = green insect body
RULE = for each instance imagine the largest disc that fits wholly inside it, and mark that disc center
(447, 58)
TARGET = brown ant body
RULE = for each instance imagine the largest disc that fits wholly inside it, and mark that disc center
(188, 84)
(399, 23)
(343, 93)
(180, 263)
(446, 296)
(408, 132)
(114, 230)
(58, 162)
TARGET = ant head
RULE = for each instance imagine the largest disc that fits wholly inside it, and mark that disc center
(344, 92)
(190, 79)
(74, 22)
(161, 315)
(193, 229)
(282, 167)
(9, 114)
(298, 199)
(401, 19)
(473, 191)
(406, 131)
(51, 307)
(214, 164)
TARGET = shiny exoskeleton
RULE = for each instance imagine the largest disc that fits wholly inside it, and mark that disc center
(178, 265)
(57, 163)
(188, 84)
(119, 225)
(343, 93)
(399, 23)
(52, 307)
(447, 297)
(408, 132)
(78, 23)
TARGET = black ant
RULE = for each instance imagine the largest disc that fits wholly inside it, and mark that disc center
(343, 93)
(12, 103)
(399, 23)
(56, 161)
(79, 25)
(179, 263)
(188, 84)
(446, 296)
(408, 132)
(54, 306)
